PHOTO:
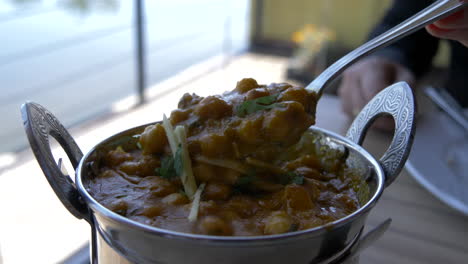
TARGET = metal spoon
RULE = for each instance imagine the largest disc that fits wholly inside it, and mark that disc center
(448, 104)
(439, 9)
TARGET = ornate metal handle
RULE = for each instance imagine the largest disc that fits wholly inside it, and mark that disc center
(39, 125)
(396, 100)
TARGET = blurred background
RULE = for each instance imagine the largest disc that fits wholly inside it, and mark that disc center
(84, 58)
(81, 56)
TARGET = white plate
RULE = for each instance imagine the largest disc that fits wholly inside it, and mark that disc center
(439, 159)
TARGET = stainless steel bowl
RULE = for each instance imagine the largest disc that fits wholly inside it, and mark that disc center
(139, 243)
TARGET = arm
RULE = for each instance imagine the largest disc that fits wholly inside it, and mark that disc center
(401, 61)
(415, 51)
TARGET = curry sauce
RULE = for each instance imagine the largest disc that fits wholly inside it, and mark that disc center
(262, 171)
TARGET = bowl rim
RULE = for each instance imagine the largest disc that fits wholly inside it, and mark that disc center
(96, 207)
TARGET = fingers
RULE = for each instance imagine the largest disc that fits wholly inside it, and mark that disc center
(454, 27)
(384, 123)
(404, 75)
(348, 92)
(358, 99)
(362, 81)
(376, 80)
(456, 20)
(460, 35)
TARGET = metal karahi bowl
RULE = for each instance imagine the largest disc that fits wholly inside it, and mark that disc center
(135, 242)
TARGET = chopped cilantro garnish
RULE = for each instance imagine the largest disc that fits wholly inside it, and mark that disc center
(297, 179)
(284, 178)
(245, 180)
(123, 141)
(171, 167)
(261, 103)
(119, 149)
(167, 168)
(243, 183)
(195, 123)
(178, 161)
(291, 177)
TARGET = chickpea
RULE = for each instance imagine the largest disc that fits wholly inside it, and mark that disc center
(175, 199)
(256, 93)
(188, 100)
(297, 94)
(243, 205)
(228, 176)
(309, 172)
(297, 198)
(314, 190)
(250, 130)
(119, 206)
(325, 217)
(194, 146)
(151, 211)
(276, 125)
(215, 145)
(153, 139)
(279, 87)
(310, 161)
(148, 165)
(213, 107)
(208, 208)
(108, 174)
(158, 186)
(229, 215)
(203, 172)
(217, 191)
(246, 85)
(286, 124)
(214, 225)
(129, 167)
(350, 203)
(142, 167)
(116, 157)
(179, 115)
(278, 222)
(272, 202)
(339, 185)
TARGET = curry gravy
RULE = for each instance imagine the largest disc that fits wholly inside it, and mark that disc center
(264, 172)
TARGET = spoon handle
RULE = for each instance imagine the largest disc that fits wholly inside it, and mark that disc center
(436, 11)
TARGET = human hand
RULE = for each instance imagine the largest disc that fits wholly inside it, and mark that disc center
(362, 81)
(453, 27)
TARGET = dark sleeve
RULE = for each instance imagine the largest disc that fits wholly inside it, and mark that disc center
(415, 51)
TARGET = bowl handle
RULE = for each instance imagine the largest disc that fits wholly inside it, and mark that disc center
(39, 124)
(396, 100)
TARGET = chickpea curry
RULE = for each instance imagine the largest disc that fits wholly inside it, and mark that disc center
(239, 164)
